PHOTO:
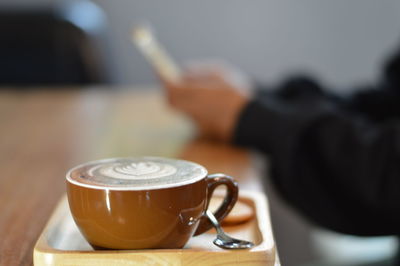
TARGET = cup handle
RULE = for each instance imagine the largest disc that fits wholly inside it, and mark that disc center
(213, 181)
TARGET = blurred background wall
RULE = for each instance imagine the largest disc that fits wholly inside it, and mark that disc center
(343, 42)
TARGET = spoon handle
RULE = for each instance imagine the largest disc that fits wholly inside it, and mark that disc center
(215, 222)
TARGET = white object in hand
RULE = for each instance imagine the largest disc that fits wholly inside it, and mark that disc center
(147, 43)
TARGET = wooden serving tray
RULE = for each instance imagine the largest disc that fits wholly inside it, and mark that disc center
(62, 244)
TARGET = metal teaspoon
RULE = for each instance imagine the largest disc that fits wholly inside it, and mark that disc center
(225, 241)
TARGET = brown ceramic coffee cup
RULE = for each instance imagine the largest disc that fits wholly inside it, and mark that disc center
(146, 202)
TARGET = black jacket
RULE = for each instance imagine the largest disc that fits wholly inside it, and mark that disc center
(336, 160)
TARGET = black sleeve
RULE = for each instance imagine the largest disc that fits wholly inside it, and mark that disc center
(391, 74)
(339, 169)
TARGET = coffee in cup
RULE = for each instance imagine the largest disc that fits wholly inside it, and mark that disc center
(144, 202)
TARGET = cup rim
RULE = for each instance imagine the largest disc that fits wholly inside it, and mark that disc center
(131, 188)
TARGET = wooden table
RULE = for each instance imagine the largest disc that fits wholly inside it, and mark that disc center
(45, 132)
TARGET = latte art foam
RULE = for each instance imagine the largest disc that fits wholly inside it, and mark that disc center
(129, 171)
(136, 173)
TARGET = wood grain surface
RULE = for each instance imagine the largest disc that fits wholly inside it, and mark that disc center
(45, 132)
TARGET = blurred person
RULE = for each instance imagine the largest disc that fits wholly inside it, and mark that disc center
(335, 159)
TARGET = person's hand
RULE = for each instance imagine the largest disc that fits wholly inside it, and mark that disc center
(212, 96)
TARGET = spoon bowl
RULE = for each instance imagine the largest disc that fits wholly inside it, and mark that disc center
(223, 240)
